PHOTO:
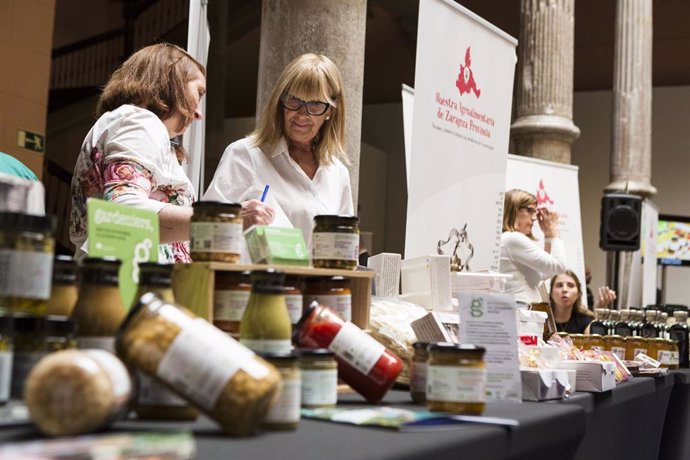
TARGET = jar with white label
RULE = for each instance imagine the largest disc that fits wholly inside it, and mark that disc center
(266, 324)
(335, 242)
(99, 309)
(456, 379)
(284, 413)
(294, 298)
(29, 348)
(6, 355)
(330, 291)
(319, 377)
(418, 366)
(74, 392)
(230, 299)
(199, 362)
(26, 257)
(216, 232)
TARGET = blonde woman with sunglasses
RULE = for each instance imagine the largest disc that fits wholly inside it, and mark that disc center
(520, 254)
(297, 149)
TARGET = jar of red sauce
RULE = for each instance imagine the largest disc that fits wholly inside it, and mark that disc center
(363, 363)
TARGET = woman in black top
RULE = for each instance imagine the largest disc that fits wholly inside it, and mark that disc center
(566, 303)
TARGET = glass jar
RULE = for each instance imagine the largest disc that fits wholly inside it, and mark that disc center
(216, 232)
(218, 375)
(29, 348)
(634, 346)
(674, 358)
(330, 291)
(230, 299)
(595, 341)
(578, 340)
(26, 249)
(59, 333)
(154, 401)
(266, 324)
(319, 377)
(63, 291)
(294, 299)
(335, 242)
(661, 351)
(73, 392)
(616, 345)
(284, 413)
(6, 355)
(418, 367)
(99, 309)
(363, 363)
(456, 379)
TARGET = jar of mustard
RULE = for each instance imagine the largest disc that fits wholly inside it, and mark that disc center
(418, 371)
(284, 413)
(634, 346)
(64, 290)
(319, 377)
(335, 242)
(456, 379)
(216, 232)
(616, 345)
(230, 299)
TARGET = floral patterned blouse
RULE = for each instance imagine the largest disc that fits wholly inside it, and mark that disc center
(126, 158)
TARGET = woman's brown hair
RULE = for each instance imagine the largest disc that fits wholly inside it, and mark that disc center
(514, 200)
(578, 305)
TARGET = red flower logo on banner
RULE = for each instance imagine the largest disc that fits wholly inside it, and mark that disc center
(465, 81)
(543, 198)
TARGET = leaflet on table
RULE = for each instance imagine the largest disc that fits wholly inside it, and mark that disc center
(488, 320)
(401, 419)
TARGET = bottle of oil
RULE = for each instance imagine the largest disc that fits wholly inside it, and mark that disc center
(599, 326)
(679, 334)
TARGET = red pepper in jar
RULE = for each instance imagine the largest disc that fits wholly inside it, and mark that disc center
(363, 363)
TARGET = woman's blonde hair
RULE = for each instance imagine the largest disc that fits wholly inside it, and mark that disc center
(513, 201)
(310, 77)
(577, 306)
(154, 78)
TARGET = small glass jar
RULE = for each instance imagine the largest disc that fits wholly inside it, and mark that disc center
(216, 232)
(616, 345)
(662, 352)
(29, 348)
(284, 413)
(674, 358)
(99, 309)
(64, 290)
(418, 368)
(634, 346)
(6, 355)
(456, 379)
(27, 246)
(595, 341)
(230, 299)
(294, 298)
(74, 392)
(578, 340)
(218, 375)
(266, 324)
(363, 363)
(335, 242)
(330, 291)
(156, 278)
(319, 377)
(59, 333)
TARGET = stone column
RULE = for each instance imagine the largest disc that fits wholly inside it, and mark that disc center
(631, 140)
(543, 125)
(333, 28)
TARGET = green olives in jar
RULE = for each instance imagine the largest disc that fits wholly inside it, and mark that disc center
(216, 232)
(335, 242)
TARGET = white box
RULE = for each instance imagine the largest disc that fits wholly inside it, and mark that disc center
(544, 384)
(387, 267)
(479, 281)
(426, 280)
(530, 326)
(592, 376)
(431, 328)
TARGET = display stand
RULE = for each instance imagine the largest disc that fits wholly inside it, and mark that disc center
(194, 284)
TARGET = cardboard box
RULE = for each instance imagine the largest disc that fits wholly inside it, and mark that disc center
(545, 384)
(276, 245)
(592, 376)
(431, 328)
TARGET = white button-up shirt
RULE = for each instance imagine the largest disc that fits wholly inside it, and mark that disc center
(244, 171)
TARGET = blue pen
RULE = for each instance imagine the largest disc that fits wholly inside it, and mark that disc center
(263, 195)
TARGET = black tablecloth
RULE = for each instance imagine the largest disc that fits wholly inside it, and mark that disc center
(675, 444)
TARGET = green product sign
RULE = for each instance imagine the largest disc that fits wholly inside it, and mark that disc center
(30, 141)
(126, 233)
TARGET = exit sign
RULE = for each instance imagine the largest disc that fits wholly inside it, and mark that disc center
(30, 141)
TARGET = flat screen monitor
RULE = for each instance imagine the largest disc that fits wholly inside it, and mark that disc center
(673, 240)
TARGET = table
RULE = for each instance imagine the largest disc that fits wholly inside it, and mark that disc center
(675, 443)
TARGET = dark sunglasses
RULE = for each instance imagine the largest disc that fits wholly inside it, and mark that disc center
(293, 103)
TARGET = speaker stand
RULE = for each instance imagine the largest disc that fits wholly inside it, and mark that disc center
(612, 269)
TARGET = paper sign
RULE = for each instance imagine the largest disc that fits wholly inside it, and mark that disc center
(129, 234)
(488, 320)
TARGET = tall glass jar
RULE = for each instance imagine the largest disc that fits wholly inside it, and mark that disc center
(6, 355)
(363, 363)
(99, 309)
(284, 413)
(456, 379)
(156, 278)
(64, 290)
(26, 251)
(319, 377)
(331, 291)
(59, 333)
(216, 232)
(294, 298)
(266, 324)
(418, 369)
(29, 348)
(634, 346)
(230, 299)
(335, 242)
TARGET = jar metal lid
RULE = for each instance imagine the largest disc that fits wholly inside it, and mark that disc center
(101, 270)
(275, 356)
(64, 269)
(229, 207)
(421, 345)
(6, 324)
(27, 222)
(62, 326)
(331, 218)
(598, 336)
(268, 281)
(615, 336)
(315, 353)
(455, 347)
(25, 322)
(155, 274)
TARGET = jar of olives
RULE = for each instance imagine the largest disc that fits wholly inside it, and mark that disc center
(216, 232)
(456, 379)
(335, 242)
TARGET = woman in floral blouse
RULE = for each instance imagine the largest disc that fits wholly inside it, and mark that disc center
(127, 157)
